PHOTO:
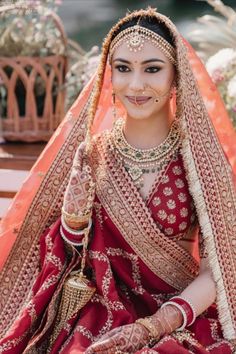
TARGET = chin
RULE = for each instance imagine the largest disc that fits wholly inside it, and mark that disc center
(139, 115)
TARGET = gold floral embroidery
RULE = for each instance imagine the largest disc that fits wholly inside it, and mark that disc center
(184, 212)
(169, 231)
(156, 201)
(214, 329)
(167, 191)
(12, 343)
(188, 336)
(162, 214)
(32, 311)
(49, 282)
(171, 204)
(133, 258)
(98, 209)
(165, 179)
(177, 170)
(182, 226)
(113, 305)
(171, 218)
(51, 257)
(219, 344)
(182, 197)
(179, 183)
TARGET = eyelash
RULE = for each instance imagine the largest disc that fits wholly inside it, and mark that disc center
(125, 69)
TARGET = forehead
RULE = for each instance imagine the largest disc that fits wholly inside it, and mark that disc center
(148, 51)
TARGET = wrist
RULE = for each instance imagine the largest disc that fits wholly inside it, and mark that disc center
(144, 330)
(77, 219)
(72, 236)
(185, 313)
(151, 330)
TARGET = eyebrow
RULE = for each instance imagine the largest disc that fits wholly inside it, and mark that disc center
(143, 62)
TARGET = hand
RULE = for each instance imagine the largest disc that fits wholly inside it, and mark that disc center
(123, 339)
(80, 191)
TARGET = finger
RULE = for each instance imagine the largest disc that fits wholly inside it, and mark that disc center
(107, 346)
(110, 334)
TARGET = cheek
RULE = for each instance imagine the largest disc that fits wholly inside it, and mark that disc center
(163, 81)
(119, 82)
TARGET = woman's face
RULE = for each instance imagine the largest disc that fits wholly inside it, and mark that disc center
(142, 80)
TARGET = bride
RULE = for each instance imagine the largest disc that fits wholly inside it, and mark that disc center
(130, 250)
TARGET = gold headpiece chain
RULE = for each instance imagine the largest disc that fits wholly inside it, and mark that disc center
(135, 38)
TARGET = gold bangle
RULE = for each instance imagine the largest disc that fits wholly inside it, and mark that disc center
(145, 322)
(73, 218)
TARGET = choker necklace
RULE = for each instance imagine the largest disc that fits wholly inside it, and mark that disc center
(144, 161)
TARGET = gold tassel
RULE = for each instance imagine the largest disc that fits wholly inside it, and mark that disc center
(76, 293)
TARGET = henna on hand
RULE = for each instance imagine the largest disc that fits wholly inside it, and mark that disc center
(127, 339)
(80, 191)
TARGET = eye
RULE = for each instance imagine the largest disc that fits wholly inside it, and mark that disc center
(122, 68)
(153, 69)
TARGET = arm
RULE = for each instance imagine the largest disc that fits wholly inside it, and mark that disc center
(201, 293)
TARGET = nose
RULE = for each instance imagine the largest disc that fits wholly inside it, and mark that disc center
(136, 83)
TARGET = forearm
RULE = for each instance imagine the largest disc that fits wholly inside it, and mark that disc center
(200, 294)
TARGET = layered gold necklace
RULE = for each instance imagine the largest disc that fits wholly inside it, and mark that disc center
(138, 162)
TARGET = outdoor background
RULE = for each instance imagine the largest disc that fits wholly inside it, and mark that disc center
(88, 21)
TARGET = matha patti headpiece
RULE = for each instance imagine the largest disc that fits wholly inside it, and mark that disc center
(135, 38)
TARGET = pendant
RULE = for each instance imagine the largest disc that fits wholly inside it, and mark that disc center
(135, 172)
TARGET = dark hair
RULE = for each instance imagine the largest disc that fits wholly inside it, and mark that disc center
(151, 23)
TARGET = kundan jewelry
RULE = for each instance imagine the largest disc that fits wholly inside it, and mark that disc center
(145, 161)
(135, 38)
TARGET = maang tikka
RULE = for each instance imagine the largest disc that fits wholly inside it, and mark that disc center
(135, 38)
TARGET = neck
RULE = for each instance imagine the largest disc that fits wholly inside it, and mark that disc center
(147, 133)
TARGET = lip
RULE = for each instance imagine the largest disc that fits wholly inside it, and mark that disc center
(138, 100)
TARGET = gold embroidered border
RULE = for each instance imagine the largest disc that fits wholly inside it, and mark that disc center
(23, 261)
(214, 195)
(127, 210)
(211, 184)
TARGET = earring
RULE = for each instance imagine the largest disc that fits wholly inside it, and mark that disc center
(114, 106)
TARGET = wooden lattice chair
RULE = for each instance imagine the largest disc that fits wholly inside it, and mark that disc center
(29, 117)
